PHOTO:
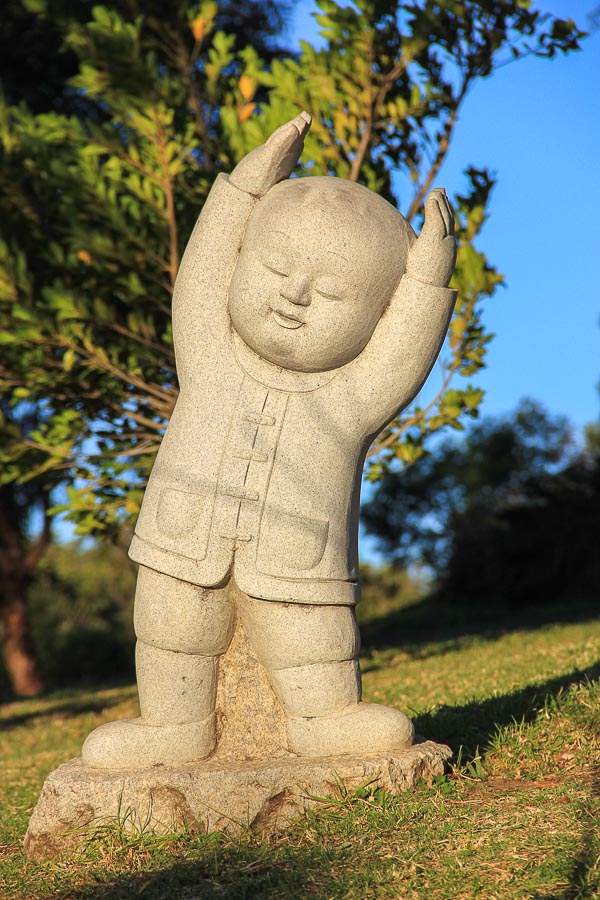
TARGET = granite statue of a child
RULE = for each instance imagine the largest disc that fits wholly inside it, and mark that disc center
(306, 314)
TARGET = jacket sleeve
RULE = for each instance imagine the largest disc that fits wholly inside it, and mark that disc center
(200, 317)
(394, 365)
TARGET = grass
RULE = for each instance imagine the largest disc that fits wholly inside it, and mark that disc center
(517, 816)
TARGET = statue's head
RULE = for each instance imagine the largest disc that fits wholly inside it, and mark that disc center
(318, 265)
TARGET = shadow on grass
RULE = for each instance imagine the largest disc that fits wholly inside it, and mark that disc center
(66, 707)
(430, 626)
(473, 725)
(284, 871)
(241, 873)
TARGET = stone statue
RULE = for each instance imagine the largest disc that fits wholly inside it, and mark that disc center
(306, 314)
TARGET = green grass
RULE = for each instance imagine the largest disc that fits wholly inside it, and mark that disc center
(517, 815)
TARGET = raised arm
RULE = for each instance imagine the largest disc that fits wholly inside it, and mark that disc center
(393, 367)
(200, 318)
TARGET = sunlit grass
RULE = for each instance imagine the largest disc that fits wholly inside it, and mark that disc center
(517, 815)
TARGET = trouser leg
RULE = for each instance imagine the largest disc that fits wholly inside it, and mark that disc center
(182, 630)
(311, 655)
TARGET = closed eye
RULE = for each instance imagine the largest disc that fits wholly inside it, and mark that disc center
(328, 296)
(275, 270)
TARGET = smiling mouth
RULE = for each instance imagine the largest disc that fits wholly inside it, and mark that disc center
(287, 321)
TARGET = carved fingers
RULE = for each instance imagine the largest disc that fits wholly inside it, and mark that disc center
(275, 160)
(439, 218)
(432, 256)
(291, 134)
(285, 146)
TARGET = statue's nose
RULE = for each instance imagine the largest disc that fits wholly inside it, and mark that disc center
(296, 290)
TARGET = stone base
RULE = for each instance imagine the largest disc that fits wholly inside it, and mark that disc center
(210, 796)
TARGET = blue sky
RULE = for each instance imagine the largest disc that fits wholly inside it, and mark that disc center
(536, 124)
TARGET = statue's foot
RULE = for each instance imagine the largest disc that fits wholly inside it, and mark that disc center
(364, 728)
(138, 744)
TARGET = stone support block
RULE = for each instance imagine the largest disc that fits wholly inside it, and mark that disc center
(211, 796)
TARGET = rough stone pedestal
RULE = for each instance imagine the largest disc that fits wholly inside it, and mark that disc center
(211, 796)
(236, 788)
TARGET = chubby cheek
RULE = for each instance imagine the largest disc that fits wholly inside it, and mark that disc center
(244, 303)
(336, 319)
(346, 331)
(250, 314)
(253, 289)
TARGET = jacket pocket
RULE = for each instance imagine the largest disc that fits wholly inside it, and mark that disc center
(183, 520)
(291, 542)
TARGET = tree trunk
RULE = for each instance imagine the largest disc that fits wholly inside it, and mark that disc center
(18, 652)
(17, 559)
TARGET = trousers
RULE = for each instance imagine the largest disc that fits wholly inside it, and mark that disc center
(310, 652)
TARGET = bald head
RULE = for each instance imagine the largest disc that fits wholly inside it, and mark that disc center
(319, 262)
(345, 216)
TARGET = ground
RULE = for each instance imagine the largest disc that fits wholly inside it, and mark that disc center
(517, 816)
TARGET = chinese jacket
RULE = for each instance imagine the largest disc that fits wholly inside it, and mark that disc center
(259, 471)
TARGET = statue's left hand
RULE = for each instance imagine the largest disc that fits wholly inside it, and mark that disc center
(274, 160)
(431, 258)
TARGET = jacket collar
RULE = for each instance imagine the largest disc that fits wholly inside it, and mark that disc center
(275, 377)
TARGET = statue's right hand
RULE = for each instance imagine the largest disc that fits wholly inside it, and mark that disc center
(274, 160)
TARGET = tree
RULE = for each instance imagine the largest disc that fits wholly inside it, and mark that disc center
(81, 611)
(542, 549)
(176, 104)
(511, 511)
(69, 333)
(99, 198)
(20, 502)
(34, 70)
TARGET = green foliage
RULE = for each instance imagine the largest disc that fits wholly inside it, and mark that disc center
(98, 205)
(541, 547)
(510, 513)
(80, 605)
(100, 194)
(384, 590)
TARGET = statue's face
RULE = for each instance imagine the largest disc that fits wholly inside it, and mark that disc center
(303, 295)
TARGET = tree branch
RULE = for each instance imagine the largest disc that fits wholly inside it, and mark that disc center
(188, 68)
(165, 397)
(41, 545)
(144, 420)
(371, 117)
(443, 147)
(126, 158)
(146, 342)
(167, 186)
